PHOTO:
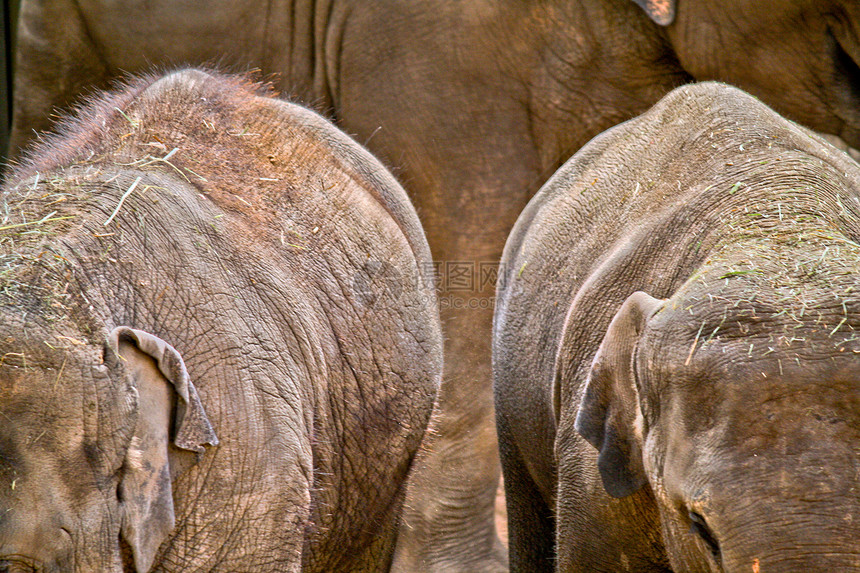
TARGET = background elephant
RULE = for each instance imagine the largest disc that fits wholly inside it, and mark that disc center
(474, 105)
(675, 349)
(216, 352)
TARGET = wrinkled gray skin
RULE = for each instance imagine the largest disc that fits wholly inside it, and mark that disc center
(474, 105)
(215, 352)
(675, 349)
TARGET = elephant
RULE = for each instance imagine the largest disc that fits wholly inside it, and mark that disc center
(472, 105)
(216, 352)
(675, 349)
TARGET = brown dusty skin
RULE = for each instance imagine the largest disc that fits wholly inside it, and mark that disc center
(677, 349)
(474, 105)
(198, 369)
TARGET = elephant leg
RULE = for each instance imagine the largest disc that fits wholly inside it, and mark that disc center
(448, 522)
(51, 36)
(531, 524)
(596, 532)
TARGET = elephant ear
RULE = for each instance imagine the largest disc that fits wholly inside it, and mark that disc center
(608, 412)
(168, 405)
(661, 11)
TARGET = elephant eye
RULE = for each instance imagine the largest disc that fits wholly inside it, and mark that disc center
(699, 526)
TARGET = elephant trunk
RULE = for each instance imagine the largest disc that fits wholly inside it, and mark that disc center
(820, 535)
(782, 511)
(796, 559)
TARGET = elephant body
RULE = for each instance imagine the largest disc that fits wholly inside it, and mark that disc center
(675, 349)
(217, 353)
(473, 105)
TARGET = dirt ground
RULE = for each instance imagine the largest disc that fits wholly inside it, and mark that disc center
(501, 514)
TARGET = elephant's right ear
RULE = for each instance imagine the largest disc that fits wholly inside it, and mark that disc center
(169, 412)
(661, 11)
(610, 403)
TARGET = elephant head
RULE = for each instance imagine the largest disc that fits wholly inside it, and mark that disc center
(738, 404)
(92, 438)
(802, 57)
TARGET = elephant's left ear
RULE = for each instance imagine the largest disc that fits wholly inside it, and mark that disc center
(168, 405)
(610, 403)
(661, 11)
(192, 429)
